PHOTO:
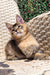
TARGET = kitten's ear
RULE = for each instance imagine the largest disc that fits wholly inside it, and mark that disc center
(9, 26)
(19, 19)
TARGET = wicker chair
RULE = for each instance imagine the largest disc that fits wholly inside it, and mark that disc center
(39, 26)
(8, 11)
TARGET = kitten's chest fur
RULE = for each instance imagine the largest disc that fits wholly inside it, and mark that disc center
(28, 45)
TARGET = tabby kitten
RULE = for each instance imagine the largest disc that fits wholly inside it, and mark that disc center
(22, 44)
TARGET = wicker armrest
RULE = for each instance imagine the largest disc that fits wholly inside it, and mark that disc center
(40, 28)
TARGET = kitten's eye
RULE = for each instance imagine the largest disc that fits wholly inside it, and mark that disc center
(12, 29)
(19, 26)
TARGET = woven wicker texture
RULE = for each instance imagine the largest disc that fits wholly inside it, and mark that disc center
(40, 28)
(8, 11)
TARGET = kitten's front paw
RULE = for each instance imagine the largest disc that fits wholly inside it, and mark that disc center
(11, 58)
(40, 56)
(30, 51)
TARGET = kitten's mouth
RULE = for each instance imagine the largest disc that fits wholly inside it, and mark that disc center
(19, 33)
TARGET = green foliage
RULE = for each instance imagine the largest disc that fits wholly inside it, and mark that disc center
(32, 8)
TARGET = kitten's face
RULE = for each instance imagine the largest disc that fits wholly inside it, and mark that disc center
(19, 29)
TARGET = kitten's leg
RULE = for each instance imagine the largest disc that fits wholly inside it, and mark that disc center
(10, 55)
(12, 51)
(41, 56)
(19, 54)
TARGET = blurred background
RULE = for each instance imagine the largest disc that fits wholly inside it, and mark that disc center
(32, 8)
